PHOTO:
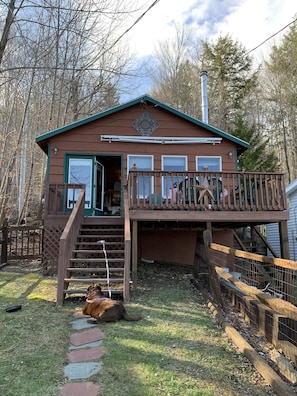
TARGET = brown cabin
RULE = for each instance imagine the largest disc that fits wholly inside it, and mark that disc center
(142, 181)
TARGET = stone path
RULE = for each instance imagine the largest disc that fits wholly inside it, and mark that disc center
(84, 357)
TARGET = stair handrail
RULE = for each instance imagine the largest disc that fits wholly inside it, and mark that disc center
(67, 242)
(127, 248)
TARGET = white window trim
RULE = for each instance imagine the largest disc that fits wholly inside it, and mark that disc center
(209, 156)
(175, 156)
(139, 156)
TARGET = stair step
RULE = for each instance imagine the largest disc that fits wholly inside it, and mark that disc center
(72, 269)
(76, 291)
(106, 238)
(100, 233)
(84, 291)
(96, 260)
(93, 280)
(102, 229)
(98, 251)
(91, 243)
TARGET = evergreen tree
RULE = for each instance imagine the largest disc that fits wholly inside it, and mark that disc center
(259, 157)
(230, 80)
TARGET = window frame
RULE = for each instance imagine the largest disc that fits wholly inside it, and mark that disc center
(147, 182)
(209, 157)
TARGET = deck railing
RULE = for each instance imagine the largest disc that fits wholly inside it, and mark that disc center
(60, 198)
(127, 233)
(204, 190)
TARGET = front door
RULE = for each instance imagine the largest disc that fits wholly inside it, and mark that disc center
(88, 171)
(100, 174)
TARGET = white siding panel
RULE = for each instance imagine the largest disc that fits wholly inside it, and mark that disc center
(272, 230)
(272, 235)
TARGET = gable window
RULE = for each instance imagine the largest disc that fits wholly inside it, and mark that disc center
(145, 185)
(172, 163)
(212, 164)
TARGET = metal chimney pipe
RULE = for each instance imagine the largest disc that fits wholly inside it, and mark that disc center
(204, 104)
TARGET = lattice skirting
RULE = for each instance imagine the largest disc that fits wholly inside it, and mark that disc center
(51, 238)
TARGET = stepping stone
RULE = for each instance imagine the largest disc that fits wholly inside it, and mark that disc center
(85, 355)
(79, 389)
(80, 324)
(78, 371)
(80, 315)
(89, 345)
(86, 336)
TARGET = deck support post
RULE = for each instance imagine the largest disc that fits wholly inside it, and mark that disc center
(285, 253)
(134, 253)
(284, 239)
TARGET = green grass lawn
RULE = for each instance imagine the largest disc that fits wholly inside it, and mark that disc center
(34, 340)
(177, 349)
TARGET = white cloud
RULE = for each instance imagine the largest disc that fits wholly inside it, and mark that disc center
(254, 21)
(248, 21)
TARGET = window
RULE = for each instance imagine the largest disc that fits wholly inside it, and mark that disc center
(172, 163)
(212, 164)
(145, 185)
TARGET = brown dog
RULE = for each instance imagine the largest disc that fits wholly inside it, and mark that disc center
(104, 309)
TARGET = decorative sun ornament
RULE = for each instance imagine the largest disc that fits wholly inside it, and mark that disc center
(145, 124)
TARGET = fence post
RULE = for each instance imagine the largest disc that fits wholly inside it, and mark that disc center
(4, 242)
(214, 283)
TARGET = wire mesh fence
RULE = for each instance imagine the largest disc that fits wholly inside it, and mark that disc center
(262, 289)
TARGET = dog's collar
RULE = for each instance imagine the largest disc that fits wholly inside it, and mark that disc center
(96, 299)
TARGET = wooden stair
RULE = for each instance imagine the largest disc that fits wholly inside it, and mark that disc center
(88, 263)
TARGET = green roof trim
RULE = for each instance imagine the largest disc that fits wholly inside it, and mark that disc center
(144, 98)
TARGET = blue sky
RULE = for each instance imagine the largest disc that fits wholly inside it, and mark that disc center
(248, 21)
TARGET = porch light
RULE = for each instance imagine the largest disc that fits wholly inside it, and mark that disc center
(159, 139)
(56, 150)
(230, 154)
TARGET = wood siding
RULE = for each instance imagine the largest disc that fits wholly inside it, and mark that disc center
(86, 140)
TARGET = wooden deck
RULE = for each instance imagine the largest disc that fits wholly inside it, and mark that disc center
(229, 198)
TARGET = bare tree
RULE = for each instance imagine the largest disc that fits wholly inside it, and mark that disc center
(59, 61)
(176, 78)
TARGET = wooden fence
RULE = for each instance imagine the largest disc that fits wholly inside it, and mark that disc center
(20, 242)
